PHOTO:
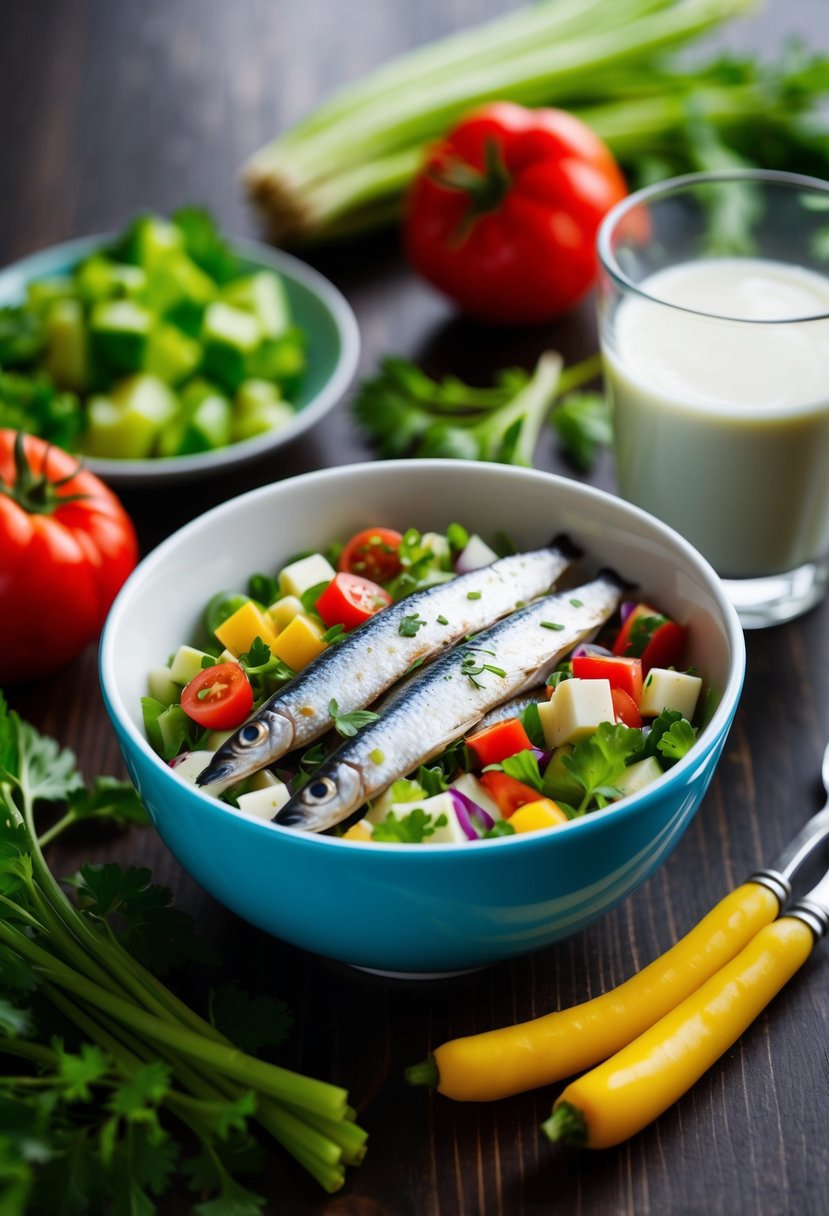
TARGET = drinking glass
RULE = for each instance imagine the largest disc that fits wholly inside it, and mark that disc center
(714, 330)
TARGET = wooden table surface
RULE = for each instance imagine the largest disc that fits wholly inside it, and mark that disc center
(107, 108)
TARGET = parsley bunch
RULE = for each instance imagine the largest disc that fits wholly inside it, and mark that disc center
(404, 412)
(110, 1084)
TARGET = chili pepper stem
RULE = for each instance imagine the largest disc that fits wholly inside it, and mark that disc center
(424, 1073)
(566, 1123)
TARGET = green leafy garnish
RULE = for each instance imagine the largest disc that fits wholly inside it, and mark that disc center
(333, 635)
(257, 656)
(412, 828)
(583, 424)
(523, 766)
(404, 412)
(348, 724)
(263, 588)
(598, 761)
(677, 740)
(409, 626)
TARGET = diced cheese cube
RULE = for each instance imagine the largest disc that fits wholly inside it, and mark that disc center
(358, 831)
(305, 573)
(162, 686)
(264, 803)
(533, 816)
(666, 689)
(242, 627)
(574, 711)
(637, 776)
(299, 642)
(476, 555)
(283, 611)
(190, 764)
(469, 784)
(186, 664)
(440, 804)
(264, 780)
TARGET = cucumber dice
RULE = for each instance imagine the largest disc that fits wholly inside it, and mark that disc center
(120, 332)
(230, 337)
(67, 345)
(264, 296)
(127, 424)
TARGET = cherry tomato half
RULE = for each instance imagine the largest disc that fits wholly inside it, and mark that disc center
(373, 553)
(349, 600)
(625, 708)
(508, 793)
(219, 697)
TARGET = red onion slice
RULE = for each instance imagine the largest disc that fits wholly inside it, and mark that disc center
(469, 813)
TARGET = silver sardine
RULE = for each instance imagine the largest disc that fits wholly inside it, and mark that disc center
(359, 669)
(435, 706)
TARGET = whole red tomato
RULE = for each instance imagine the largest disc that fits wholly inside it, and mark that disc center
(503, 215)
(66, 546)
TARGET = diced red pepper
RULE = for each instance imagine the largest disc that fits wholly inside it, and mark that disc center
(622, 672)
(625, 708)
(496, 742)
(654, 638)
(508, 793)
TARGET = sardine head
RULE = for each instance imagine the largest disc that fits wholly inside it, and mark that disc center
(256, 744)
(324, 800)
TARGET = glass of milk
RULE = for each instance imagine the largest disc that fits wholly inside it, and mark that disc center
(714, 328)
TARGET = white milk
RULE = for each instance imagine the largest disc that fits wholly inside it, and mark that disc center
(722, 427)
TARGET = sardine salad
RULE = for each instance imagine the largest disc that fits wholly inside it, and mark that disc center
(424, 688)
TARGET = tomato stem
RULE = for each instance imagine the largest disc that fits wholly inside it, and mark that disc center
(485, 188)
(37, 494)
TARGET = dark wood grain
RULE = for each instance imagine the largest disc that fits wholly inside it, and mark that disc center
(109, 107)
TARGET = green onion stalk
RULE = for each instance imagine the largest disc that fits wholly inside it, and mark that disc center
(346, 165)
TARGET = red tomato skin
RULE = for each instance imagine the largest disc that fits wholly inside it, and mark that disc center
(494, 744)
(229, 708)
(531, 257)
(350, 600)
(624, 673)
(665, 646)
(364, 556)
(59, 572)
(508, 793)
(625, 708)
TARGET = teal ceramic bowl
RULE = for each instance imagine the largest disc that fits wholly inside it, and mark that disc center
(317, 307)
(409, 908)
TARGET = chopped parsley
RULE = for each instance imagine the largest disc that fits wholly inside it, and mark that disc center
(410, 624)
(473, 666)
(412, 828)
(577, 603)
(348, 724)
(473, 595)
(551, 625)
(333, 635)
(442, 620)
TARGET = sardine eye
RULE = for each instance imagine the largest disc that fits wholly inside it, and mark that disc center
(252, 732)
(319, 790)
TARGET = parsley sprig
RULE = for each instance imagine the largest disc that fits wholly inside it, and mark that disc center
(405, 412)
(111, 1087)
(348, 724)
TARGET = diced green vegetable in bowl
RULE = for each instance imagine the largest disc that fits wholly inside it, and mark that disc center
(167, 351)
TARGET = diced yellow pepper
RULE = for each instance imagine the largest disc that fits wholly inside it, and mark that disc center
(299, 642)
(357, 831)
(238, 633)
(532, 816)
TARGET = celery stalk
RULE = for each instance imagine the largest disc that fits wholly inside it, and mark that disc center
(340, 167)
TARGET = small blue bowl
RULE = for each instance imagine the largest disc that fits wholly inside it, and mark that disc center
(317, 307)
(407, 908)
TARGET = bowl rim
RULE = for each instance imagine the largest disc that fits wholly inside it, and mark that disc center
(715, 729)
(16, 275)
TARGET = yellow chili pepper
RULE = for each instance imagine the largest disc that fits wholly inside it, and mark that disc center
(512, 1059)
(628, 1091)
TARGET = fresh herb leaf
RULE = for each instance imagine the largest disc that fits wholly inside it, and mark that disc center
(412, 828)
(598, 761)
(677, 740)
(258, 655)
(348, 724)
(523, 766)
(205, 244)
(263, 588)
(404, 412)
(410, 624)
(333, 635)
(583, 424)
